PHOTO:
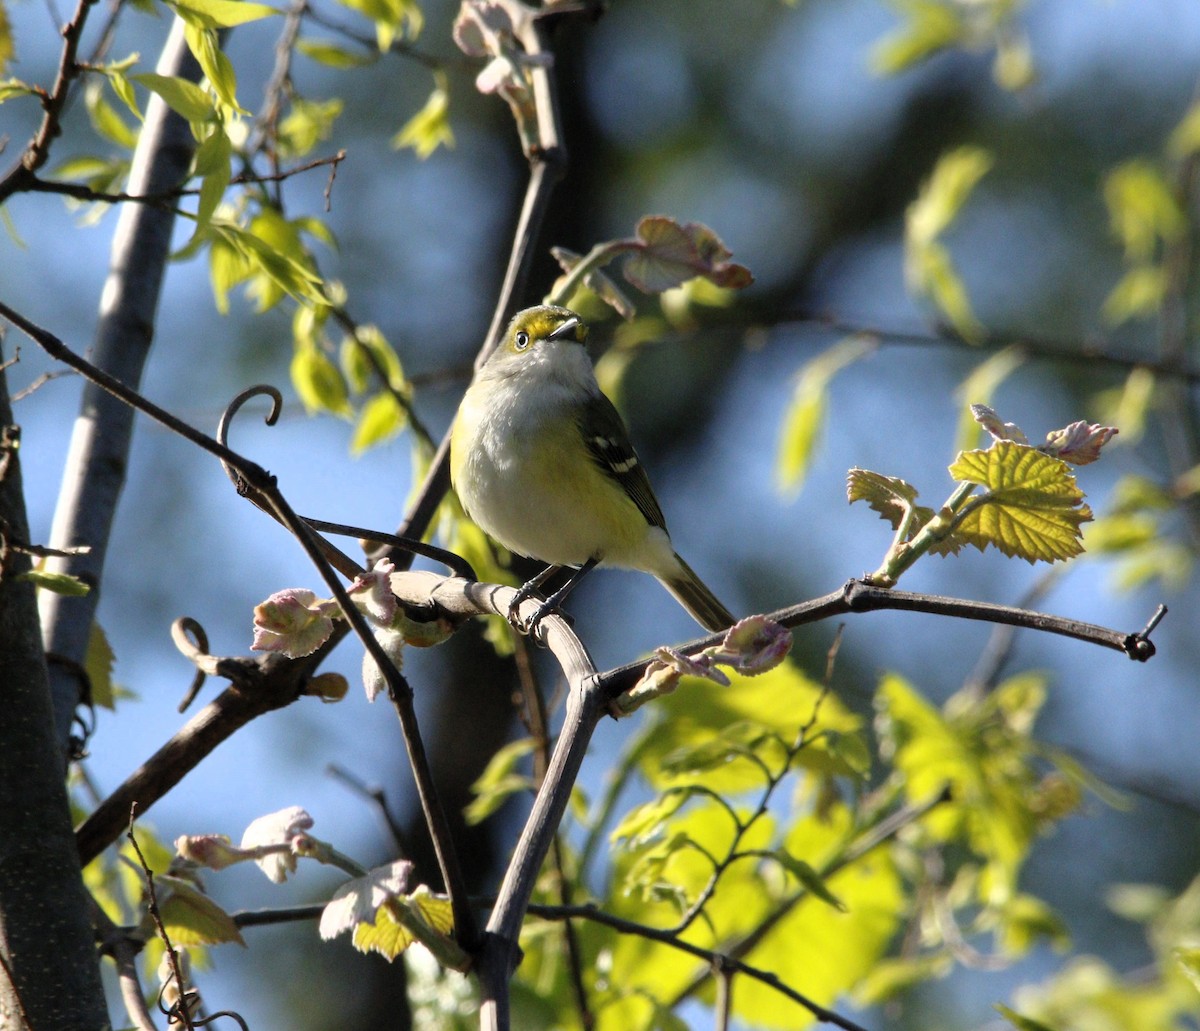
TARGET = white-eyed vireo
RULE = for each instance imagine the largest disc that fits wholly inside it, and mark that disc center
(542, 462)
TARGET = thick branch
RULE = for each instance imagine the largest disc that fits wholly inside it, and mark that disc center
(94, 473)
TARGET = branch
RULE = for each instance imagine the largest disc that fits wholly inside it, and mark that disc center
(715, 960)
(37, 151)
(94, 474)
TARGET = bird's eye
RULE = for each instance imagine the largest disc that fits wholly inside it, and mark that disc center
(522, 340)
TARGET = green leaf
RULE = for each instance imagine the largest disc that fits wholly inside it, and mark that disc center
(219, 14)
(429, 128)
(1032, 509)
(1142, 208)
(930, 273)
(10, 88)
(1185, 138)
(805, 415)
(943, 194)
(213, 161)
(98, 663)
(930, 27)
(191, 917)
(57, 583)
(809, 877)
(307, 124)
(184, 98)
(7, 50)
(1020, 1022)
(1138, 294)
(394, 19)
(401, 922)
(1188, 960)
(500, 780)
(893, 499)
(105, 119)
(980, 387)
(333, 56)
(217, 68)
(318, 383)
(380, 419)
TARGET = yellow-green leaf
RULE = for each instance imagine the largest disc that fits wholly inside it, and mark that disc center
(98, 662)
(220, 14)
(1032, 508)
(217, 68)
(805, 413)
(333, 56)
(1021, 1023)
(1142, 208)
(1185, 138)
(979, 388)
(191, 917)
(930, 26)
(500, 780)
(380, 419)
(307, 124)
(10, 88)
(6, 39)
(57, 583)
(1138, 294)
(429, 128)
(105, 118)
(183, 97)
(945, 191)
(318, 383)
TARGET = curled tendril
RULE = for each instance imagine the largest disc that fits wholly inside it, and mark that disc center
(260, 390)
(195, 652)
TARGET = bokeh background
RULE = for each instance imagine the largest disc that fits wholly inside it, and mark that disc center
(766, 121)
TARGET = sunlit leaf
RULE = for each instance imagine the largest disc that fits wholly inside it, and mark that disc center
(429, 128)
(805, 414)
(1020, 1022)
(7, 50)
(1032, 509)
(183, 97)
(1142, 208)
(1138, 294)
(333, 56)
(1185, 138)
(191, 917)
(307, 124)
(943, 194)
(57, 583)
(98, 662)
(218, 69)
(929, 27)
(10, 88)
(220, 14)
(318, 382)
(105, 119)
(380, 419)
(500, 780)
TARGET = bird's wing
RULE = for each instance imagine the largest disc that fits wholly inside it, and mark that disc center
(608, 441)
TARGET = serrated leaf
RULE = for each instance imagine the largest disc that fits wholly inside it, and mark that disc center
(668, 254)
(307, 124)
(57, 583)
(419, 917)
(220, 14)
(1032, 510)
(98, 662)
(192, 918)
(184, 98)
(805, 415)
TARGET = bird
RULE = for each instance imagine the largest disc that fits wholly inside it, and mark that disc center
(542, 462)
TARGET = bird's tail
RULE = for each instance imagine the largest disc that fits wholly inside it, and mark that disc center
(690, 591)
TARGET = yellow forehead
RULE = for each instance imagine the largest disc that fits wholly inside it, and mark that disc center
(540, 322)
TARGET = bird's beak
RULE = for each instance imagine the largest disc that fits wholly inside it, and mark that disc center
(567, 329)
